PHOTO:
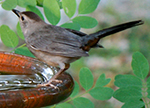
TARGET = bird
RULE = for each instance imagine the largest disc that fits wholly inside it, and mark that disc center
(57, 46)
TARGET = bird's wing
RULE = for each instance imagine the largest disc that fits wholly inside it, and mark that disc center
(57, 41)
(79, 33)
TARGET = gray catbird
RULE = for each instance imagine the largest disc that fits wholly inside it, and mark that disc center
(59, 46)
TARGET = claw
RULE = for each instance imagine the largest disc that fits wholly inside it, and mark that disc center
(49, 83)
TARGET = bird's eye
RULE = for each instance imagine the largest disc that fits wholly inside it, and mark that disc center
(22, 18)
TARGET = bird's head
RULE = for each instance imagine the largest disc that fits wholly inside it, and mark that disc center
(28, 20)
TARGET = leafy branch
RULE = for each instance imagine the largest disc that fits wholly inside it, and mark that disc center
(52, 10)
(134, 90)
(97, 91)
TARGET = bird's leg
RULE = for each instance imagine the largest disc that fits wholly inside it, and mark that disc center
(63, 67)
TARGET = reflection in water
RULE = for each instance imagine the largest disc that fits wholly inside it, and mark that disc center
(40, 73)
(21, 72)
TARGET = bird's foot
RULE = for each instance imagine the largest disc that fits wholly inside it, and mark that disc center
(52, 83)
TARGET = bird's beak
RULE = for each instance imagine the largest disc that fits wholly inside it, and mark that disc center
(16, 12)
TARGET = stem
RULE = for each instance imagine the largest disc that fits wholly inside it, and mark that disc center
(53, 106)
(77, 96)
(80, 94)
(1, 2)
(144, 93)
(18, 47)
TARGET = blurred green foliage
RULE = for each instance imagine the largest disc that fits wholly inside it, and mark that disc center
(114, 58)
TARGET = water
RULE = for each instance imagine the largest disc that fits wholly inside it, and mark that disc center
(40, 73)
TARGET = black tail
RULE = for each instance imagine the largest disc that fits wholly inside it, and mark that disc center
(91, 40)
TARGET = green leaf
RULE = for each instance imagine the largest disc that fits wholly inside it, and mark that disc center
(19, 31)
(24, 51)
(101, 93)
(69, 7)
(88, 6)
(40, 3)
(64, 105)
(148, 85)
(133, 104)
(86, 78)
(148, 82)
(24, 3)
(81, 102)
(59, 3)
(85, 21)
(52, 11)
(76, 90)
(125, 94)
(128, 81)
(73, 26)
(8, 36)
(102, 81)
(35, 10)
(140, 65)
(9, 4)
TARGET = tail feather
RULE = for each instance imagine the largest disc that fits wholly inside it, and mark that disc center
(91, 40)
